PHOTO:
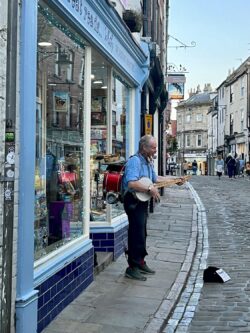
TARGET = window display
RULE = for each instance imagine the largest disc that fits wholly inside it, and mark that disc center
(59, 133)
(120, 135)
(109, 149)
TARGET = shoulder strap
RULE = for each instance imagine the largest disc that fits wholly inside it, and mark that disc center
(137, 155)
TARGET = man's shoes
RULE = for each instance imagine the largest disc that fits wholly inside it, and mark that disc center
(144, 269)
(134, 273)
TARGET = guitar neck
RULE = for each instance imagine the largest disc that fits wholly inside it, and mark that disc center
(171, 182)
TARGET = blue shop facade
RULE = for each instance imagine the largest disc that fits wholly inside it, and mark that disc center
(81, 77)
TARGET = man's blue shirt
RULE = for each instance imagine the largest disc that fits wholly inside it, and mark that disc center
(136, 167)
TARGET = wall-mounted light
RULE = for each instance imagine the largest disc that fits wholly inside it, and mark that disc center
(45, 44)
(97, 82)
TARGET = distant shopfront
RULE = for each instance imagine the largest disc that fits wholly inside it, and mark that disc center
(201, 159)
(88, 84)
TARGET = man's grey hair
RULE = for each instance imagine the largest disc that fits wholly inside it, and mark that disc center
(145, 141)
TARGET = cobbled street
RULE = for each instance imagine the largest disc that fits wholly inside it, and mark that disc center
(224, 307)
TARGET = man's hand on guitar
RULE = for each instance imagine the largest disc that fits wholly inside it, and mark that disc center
(153, 191)
(181, 182)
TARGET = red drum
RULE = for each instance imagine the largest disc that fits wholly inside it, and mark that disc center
(112, 181)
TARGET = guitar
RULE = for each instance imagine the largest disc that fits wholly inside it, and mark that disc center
(142, 196)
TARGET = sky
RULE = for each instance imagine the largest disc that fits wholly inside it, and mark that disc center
(221, 31)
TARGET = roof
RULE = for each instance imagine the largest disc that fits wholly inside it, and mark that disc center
(197, 99)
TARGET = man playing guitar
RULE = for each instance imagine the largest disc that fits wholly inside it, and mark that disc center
(138, 166)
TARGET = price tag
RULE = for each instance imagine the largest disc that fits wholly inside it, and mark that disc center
(225, 277)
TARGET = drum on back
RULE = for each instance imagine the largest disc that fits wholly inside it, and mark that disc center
(112, 183)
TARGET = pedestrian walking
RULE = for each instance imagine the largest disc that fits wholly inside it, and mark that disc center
(219, 164)
(242, 167)
(237, 167)
(137, 166)
(230, 162)
(194, 167)
(185, 167)
(247, 169)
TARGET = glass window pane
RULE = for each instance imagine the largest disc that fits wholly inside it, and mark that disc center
(120, 128)
(99, 135)
(59, 134)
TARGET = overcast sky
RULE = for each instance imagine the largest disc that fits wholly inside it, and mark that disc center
(221, 31)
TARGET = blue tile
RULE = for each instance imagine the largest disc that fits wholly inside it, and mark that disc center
(63, 287)
(96, 244)
(50, 305)
(100, 236)
(101, 249)
(46, 297)
(42, 312)
(74, 264)
(43, 287)
(47, 320)
(68, 269)
(111, 236)
(40, 301)
(107, 243)
(40, 326)
(60, 285)
(54, 313)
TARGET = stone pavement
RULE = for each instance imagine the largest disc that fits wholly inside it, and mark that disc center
(224, 242)
(115, 304)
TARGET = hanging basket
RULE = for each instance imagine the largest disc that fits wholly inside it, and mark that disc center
(133, 20)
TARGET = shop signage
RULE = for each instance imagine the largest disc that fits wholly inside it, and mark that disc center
(176, 86)
(148, 124)
(96, 26)
(196, 155)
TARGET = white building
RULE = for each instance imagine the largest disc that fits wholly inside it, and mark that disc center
(236, 116)
(192, 125)
(221, 114)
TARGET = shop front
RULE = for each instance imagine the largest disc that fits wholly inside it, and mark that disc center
(80, 111)
(200, 158)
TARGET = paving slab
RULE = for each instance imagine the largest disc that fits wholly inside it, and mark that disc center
(115, 304)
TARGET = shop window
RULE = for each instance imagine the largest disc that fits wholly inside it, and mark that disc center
(120, 127)
(99, 135)
(60, 141)
(108, 148)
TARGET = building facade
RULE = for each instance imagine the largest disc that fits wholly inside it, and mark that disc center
(192, 129)
(78, 111)
(237, 111)
(221, 114)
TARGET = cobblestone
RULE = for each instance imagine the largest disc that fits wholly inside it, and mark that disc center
(223, 241)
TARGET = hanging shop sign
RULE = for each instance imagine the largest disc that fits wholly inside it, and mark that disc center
(176, 86)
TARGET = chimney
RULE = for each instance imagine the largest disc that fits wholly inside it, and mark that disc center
(198, 90)
(207, 87)
(191, 92)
